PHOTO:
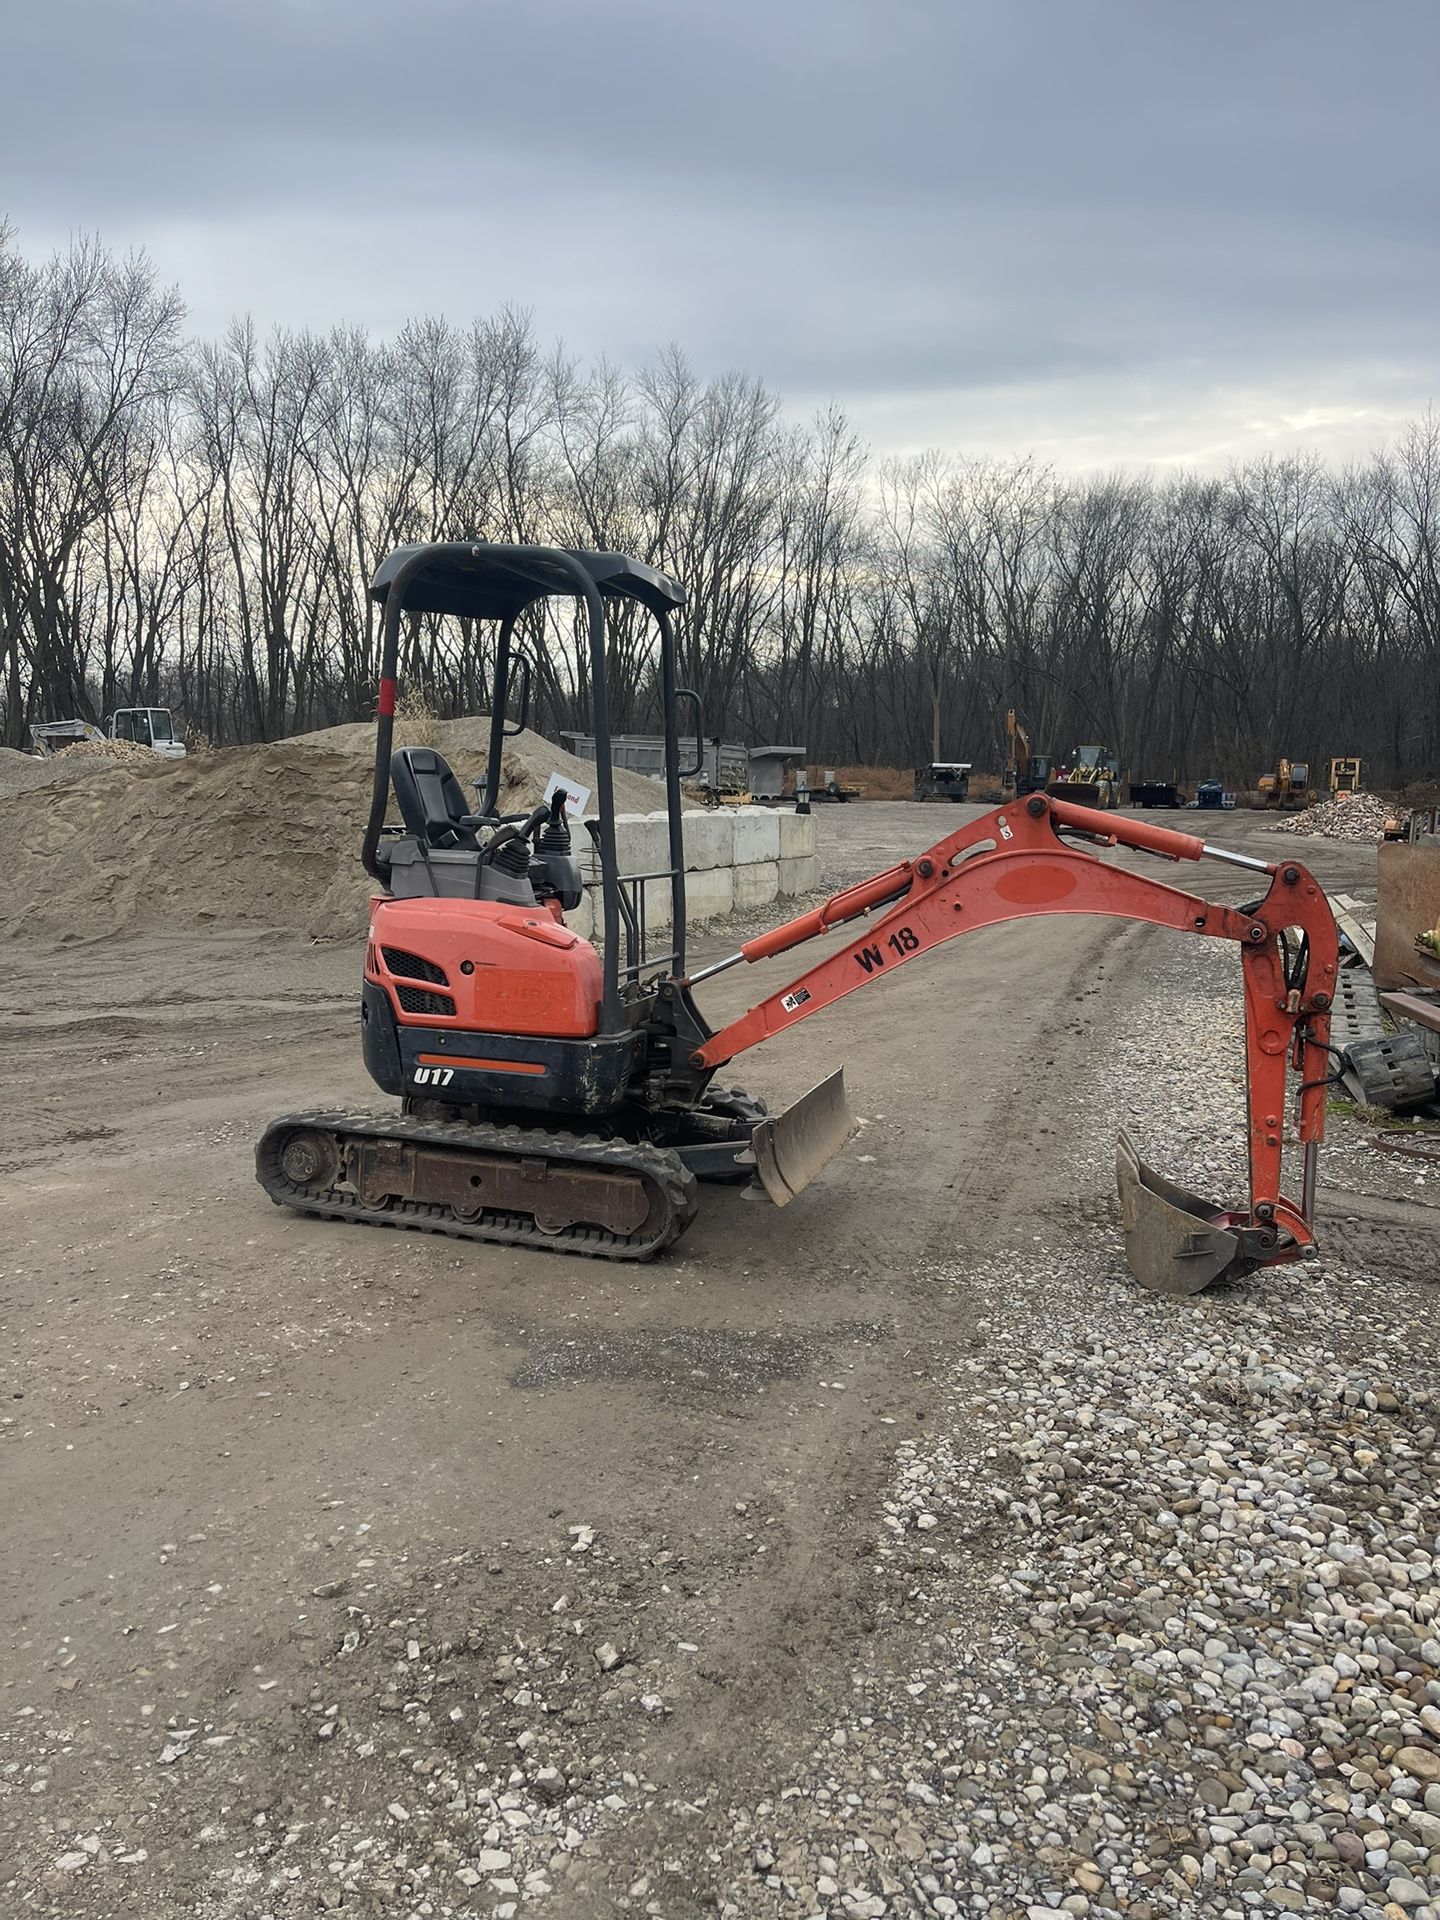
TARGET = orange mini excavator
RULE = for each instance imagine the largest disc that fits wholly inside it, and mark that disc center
(555, 1094)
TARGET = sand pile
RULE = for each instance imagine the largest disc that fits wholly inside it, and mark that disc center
(529, 757)
(1355, 816)
(20, 772)
(250, 836)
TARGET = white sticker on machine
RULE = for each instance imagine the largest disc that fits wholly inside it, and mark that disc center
(790, 1001)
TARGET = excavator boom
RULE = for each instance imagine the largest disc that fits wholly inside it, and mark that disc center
(1012, 863)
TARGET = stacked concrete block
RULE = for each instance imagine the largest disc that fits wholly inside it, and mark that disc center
(799, 862)
(736, 860)
(642, 842)
(658, 903)
(709, 841)
(756, 884)
(798, 875)
(710, 895)
(757, 835)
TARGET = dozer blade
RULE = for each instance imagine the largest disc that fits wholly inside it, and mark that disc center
(790, 1148)
(1175, 1242)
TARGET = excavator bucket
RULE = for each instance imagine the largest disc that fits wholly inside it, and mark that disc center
(790, 1148)
(1175, 1242)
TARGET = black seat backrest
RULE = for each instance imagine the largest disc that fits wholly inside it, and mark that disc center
(432, 804)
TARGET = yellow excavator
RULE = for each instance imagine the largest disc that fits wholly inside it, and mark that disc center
(1025, 772)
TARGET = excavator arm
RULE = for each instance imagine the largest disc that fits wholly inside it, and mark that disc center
(1018, 740)
(1012, 863)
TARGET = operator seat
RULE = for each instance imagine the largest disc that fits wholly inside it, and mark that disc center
(431, 800)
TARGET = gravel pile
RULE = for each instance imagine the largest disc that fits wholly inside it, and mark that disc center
(1202, 1677)
(123, 752)
(1356, 816)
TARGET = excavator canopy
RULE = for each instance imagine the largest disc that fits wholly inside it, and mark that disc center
(479, 582)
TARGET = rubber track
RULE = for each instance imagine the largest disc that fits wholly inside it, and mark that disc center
(657, 1166)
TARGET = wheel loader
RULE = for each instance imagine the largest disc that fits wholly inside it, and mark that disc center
(551, 1092)
(1091, 779)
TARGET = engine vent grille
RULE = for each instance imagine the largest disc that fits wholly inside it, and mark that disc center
(410, 966)
(422, 1000)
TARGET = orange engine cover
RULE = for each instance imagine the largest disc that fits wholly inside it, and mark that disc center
(502, 969)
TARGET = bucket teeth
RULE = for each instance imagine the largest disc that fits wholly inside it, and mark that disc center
(1175, 1241)
(790, 1148)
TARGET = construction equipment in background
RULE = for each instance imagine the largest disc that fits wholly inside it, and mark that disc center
(943, 780)
(555, 1095)
(1288, 786)
(715, 798)
(150, 727)
(724, 779)
(1025, 771)
(1344, 776)
(1152, 794)
(1092, 779)
(1168, 795)
(53, 736)
(831, 789)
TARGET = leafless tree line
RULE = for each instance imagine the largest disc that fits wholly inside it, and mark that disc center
(196, 525)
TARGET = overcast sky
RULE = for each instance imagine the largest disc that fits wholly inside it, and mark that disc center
(1105, 230)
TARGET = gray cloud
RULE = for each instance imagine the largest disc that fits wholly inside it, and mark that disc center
(1085, 219)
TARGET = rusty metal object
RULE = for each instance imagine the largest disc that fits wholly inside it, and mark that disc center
(1412, 1148)
(1175, 1242)
(791, 1148)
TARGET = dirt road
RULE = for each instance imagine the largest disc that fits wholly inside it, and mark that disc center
(298, 1518)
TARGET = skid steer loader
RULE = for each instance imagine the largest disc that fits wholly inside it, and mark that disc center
(557, 1094)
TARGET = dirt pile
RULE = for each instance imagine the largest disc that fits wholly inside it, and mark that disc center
(1354, 816)
(21, 772)
(529, 761)
(250, 836)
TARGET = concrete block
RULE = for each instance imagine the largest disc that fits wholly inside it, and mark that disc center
(709, 840)
(756, 884)
(711, 894)
(797, 835)
(801, 874)
(757, 835)
(657, 908)
(642, 842)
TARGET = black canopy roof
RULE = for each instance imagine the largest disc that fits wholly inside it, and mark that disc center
(483, 582)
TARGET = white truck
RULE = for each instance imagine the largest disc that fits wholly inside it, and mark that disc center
(150, 727)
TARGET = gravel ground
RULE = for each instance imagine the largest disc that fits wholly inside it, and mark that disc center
(1166, 1580)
